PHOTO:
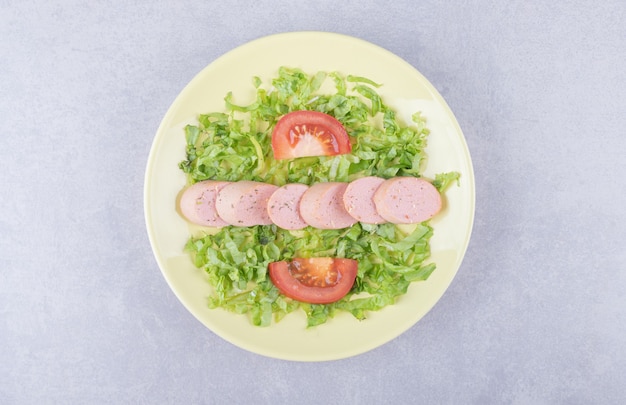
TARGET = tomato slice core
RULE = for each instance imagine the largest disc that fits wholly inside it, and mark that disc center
(319, 280)
(309, 133)
(320, 273)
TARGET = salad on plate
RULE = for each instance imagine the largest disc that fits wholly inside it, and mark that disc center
(298, 200)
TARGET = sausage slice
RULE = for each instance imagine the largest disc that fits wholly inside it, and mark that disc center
(244, 203)
(407, 200)
(197, 203)
(359, 200)
(322, 206)
(283, 206)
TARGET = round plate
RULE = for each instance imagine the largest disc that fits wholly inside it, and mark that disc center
(405, 90)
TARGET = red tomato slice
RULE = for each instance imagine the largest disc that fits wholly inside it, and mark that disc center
(309, 133)
(319, 280)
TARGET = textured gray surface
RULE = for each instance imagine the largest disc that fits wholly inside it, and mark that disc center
(536, 315)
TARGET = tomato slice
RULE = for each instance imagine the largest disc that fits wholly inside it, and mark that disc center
(309, 133)
(318, 280)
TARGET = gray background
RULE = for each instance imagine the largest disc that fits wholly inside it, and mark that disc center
(536, 314)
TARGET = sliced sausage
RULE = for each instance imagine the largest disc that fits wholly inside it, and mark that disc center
(407, 200)
(322, 206)
(197, 203)
(283, 206)
(359, 200)
(244, 203)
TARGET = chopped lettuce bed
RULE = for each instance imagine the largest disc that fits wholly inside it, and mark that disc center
(236, 145)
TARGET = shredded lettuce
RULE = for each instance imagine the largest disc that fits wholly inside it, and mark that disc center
(236, 145)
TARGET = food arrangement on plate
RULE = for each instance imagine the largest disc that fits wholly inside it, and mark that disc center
(310, 198)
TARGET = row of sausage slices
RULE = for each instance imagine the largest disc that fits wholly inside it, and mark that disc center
(330, 205)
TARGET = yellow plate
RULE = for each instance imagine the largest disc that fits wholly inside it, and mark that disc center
(405, 90)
